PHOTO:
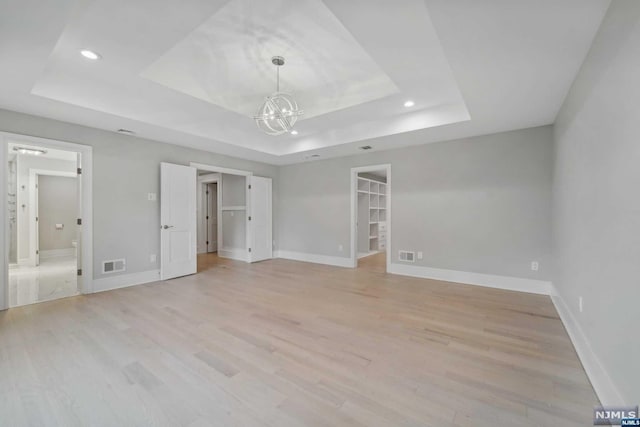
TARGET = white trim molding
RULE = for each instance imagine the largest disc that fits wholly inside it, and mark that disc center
(606, 390)
(125, 280)
(219, 169)
(314, 258)
(479, 279)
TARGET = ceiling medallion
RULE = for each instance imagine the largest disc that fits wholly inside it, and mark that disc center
(280, 111)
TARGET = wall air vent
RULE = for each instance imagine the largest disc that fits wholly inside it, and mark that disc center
(366, 147)
(113, 266)
(407, 256)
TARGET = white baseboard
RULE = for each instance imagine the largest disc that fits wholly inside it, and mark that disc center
(125, 280)
(479, 279)
(233, 253)
(54, 253)
(600, 380)
(316, 259)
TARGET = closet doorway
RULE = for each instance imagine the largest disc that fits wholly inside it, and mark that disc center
(208, 213)
(371, 217)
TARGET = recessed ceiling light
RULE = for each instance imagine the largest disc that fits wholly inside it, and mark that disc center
(31, 151)
(89, 54)
(409, 104)
(294, 132)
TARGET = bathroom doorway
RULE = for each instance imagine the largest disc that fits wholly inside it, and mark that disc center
(44, 211)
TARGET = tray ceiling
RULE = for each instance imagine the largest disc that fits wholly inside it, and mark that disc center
(207, 77)
(191, 72)
(227, 60)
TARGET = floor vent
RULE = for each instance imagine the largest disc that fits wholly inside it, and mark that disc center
(407, 256)
(113, 266)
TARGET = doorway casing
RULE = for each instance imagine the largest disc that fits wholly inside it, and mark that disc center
(354, 210)
(85, 281)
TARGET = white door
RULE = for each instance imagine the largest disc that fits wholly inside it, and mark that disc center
(178, 221)
(259, 221)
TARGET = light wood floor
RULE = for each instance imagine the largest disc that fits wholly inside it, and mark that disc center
(285, 343)
(376, 263)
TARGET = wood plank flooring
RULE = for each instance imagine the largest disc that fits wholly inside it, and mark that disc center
(285, 343)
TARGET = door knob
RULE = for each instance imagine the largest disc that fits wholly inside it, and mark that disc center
(167, 226)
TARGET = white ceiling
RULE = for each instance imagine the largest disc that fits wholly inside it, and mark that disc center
(188, 72)
(227, 59)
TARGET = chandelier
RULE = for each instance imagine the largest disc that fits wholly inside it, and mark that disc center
(279, 112)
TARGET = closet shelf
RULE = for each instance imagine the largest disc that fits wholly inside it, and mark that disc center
(233, 208)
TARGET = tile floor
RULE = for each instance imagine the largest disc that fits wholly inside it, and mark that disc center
(54, 278)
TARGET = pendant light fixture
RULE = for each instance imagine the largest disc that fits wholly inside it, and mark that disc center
(279, 112)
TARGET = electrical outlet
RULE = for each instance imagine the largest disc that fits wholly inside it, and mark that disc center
(340, 248)
(419, 254)
(152, 197)
(152, 258)
(534, 265)
(580, 304)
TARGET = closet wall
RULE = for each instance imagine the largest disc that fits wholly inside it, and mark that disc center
(234, 217)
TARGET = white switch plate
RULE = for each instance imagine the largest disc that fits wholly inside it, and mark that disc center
(152, 197)
(419, 254)
(340, 248)
(152, 258)
(534, 265)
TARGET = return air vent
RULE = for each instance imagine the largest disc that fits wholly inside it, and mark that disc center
(113, 266)
(407, 256)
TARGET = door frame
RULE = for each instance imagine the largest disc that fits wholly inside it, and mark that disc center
(34, 176)
(354, 210)
(86, 151)
(202, 184)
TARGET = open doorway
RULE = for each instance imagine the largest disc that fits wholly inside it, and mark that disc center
(208, 202)
(44, 207)
(371, 211)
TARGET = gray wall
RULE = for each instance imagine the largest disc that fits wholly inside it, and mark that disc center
(480, 204)
(596, 197)
(57, 204)
(125, 169)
